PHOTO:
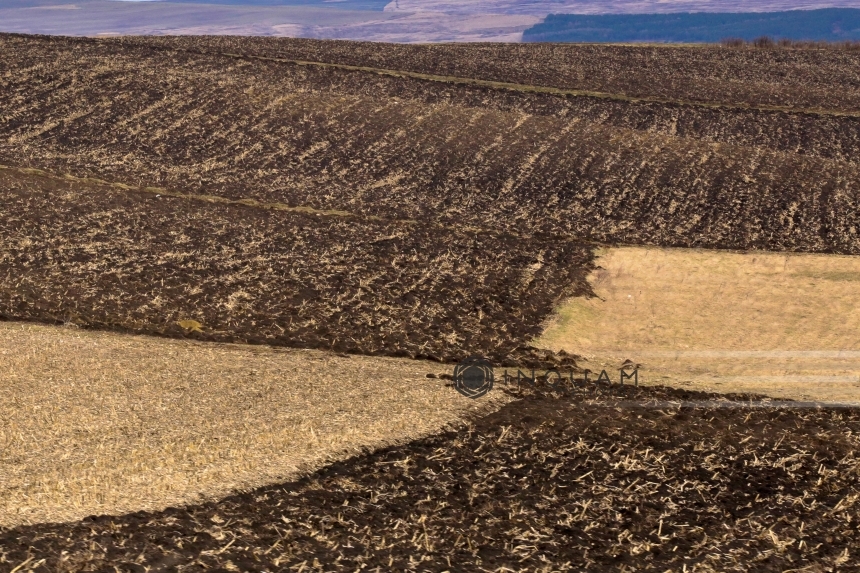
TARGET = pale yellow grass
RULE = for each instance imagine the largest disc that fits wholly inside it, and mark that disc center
(96, 423)
(786, 325)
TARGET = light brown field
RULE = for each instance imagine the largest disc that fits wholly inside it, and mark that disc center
(97, 423)
(785, 325)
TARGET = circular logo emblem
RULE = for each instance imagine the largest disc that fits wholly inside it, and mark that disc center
(473, 377)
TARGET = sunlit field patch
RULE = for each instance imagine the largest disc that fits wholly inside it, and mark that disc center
(101, 423)
(785, 325)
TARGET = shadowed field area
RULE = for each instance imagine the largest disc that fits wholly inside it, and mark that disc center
(778, 324)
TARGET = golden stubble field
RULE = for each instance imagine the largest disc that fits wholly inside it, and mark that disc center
(100, 423)
(784, 325)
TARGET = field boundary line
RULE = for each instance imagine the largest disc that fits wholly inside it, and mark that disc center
(492, 84)
(526, 88)
(277, 206)
(274, 206)
(254, 203)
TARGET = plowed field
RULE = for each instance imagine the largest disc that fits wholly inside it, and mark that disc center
(403, 147)
(823, 79)
(421, 202)
(649, 480)
(136, 261)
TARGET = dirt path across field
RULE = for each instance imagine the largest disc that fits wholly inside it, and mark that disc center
(97, 423)
(784, 325)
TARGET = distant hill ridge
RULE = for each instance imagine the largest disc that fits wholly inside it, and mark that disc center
(827, 24)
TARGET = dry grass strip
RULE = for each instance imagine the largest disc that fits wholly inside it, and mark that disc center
(96, 423)
(781, 324)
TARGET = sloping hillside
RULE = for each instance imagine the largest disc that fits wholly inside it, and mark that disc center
(592, 167)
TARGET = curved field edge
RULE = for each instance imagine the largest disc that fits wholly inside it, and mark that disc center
(781, 324)
(654, 476)
(104, 423)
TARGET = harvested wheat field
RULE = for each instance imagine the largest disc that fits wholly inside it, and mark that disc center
(781, 324)
(99, 423)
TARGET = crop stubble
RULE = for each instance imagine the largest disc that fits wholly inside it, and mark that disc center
(810, 78)
(499, 188)
(105, 423)
(544, 484)
(131, 260)
(406, 148)
(781, 324)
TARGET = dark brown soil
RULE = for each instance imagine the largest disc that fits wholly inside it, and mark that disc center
(407, 148)
(827, 135)
(465, 213)
(635, 480)
(133, 261)
(803, 78)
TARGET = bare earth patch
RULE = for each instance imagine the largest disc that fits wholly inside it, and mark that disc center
(97, 423)
(785, 325)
